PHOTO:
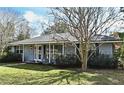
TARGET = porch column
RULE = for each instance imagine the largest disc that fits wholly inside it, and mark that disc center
(53, 52)
(49, 53)
(23, 55)
(42, 54)
(36, 53)
(63, 49)
(19, 49)
(75, 50)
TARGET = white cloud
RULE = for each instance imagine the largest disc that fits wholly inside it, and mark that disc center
(32, 17)
(35, 21)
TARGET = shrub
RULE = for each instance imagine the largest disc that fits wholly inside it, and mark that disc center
(67, 61)
(102, 61)
(121, 63)
(119, 54)
(11, 57)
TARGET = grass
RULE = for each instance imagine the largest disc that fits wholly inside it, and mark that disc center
(36, 74)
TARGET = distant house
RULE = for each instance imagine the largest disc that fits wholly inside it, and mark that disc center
(48, 47)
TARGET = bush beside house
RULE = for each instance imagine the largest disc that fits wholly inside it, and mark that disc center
(69, 60)
(11, 57)
(102, 61)
(95, 61)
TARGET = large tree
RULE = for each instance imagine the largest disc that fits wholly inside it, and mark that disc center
(23, 30)
(8, 20)
(85, 23)
(12, 25)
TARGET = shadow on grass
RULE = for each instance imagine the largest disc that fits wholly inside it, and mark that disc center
(6, 63)
(74, 78)
(84, 78)
(36, 67)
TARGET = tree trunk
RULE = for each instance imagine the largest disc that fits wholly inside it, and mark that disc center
(84, 55)
(1, 54)
(2, 51)
(85, 59)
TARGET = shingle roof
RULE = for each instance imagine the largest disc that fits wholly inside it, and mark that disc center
(104, 38)
(54, 38)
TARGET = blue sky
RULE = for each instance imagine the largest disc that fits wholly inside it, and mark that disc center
(36, 10)
(34, 15)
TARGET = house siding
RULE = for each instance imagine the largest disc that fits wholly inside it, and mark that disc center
(69, 50)
(29, 51)
(106, 49)
(12, 49)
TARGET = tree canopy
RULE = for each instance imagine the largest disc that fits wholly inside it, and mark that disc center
(12, 27)
(58, 27)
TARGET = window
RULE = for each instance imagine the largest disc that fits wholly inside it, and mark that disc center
(47, 51)
(69, 49)
(57, 50)
(19, 49)
(40, 51)
(94, 48)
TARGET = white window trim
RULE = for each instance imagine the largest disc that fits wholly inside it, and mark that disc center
(19, 49)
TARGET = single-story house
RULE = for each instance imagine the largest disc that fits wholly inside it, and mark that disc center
(47, 47)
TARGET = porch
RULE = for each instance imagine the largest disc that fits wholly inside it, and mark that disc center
(43, 53)
(48, 52)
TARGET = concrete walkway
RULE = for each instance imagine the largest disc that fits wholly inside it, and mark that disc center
(16, 64)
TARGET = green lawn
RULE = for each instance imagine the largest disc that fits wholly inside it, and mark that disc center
(42, 74)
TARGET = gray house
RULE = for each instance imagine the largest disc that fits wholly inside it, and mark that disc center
(48, 47)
